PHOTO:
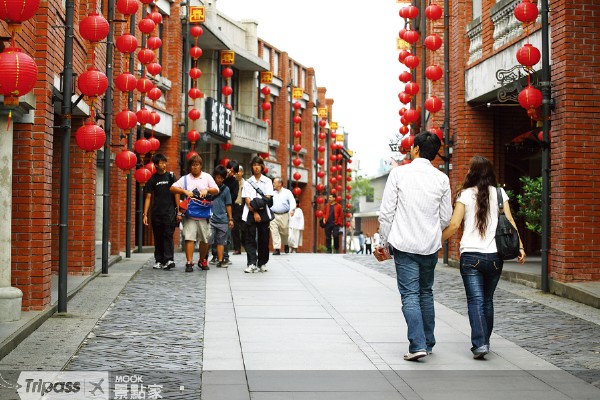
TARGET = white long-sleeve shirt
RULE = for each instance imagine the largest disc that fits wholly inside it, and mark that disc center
(415, 208)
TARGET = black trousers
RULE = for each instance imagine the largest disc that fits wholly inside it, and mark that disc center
(162, 230)
(238, 233)
(332, 230)
(257, 243)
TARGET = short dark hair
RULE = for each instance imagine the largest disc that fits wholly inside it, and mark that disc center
(233, 165)
(193, 160)
(220, 171)
(258, 160)
(429, 145)
(158, 157)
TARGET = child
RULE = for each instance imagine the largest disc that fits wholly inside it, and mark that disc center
(221, 220)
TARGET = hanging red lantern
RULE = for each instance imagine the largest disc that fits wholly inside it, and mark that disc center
(433, 104)
(154, 42)
(530, 98)
(433, 12)
(297, 105)
(412, 115)
(146, 56)
(297, 191)
(297, 119)
(127, 7)
(405, 77)
(226, 90)
(154, 144)
(333, 191)
(227, 73)
(401, 33)
(297, 147)
(154, 94)
(434, 72)
(146, 25)
(142, 175)
(321, 161)
(195, 73)
(190, 154)
(411, 62)
(94, 27)
(265, 106)
(403, 12)
(264, 156)
(411, 88)
(224, 162)
(153, 118)
(349, 161)
(321, 149)
(526, 11)
(90, 137)
(156, 17)
(154, 68)
(126, 43)
(404, 98)
(403, 130)
(142, 146)
(339, 178)
(144, 85)
(528, 55)
(265, 90)
(297, 176)
(404, 121)
(407, 142)
(296, 162)
(126, 160)
(348, 187)
(126, 120)
(322, 123)
(437, 132)
(402, 54)
(411, 12)
(142, 116)
(196, 31)
(195, 52)
(226, 146)
(433, 42)
(320, 187)
(16, 11)
(19, 74)
(194, 114)
(125, 82)
(92, 83)
(322, 135)
(321, 174)
(332, 134)
(348, 197)
(411, 36)
(151, 167)
(319, 213)
(193, 136)
(194, 93)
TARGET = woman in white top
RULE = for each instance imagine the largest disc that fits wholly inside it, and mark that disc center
(296, 228)
(480, 266)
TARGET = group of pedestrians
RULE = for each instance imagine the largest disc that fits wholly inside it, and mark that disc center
(366, 243)
(416, 215)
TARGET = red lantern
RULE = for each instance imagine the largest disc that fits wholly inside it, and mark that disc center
(190, 154)
(125, 82)
(433, 104)
(151, 167)
(297, 134)
(196, 31)
(265, 106)
(411, 36)
(224, 162)
(332, 134)
(226, 146)
(153, 118)
(411, 88)
(297, 191)
(146, 25)
(526, 11)
(437, 132)
(263, 155)
(156, 17)
(339, 178)
(154, 144)
(348, 187)
(19, 74)
(94, 27)
(193, 136)
(403, 12)
(194, 114)
(404, 98)
(194, 93)
(16, 11)
(142, 146)
(144, 85)
(321, 174)
(90, 137)
(92, 83)
(319, 213)
(154, 94)
(297, 119)
(405, 76)
(126, 120)
(195, 52)
(332, 180)
(433, 12)
(195, 73)
(407, 142)
(320, 187)
(349, 161)
(154, 68)
(530, 98)
(227, 73)
(297, 147)
(411, 12)
(348, 197)
(154, 42)
(142, 175)
(528, 55)
(127, 7)
(126, 160)
(142, 116)
(333, 191)
(405, 161)
(434, 72)
(297, 105)
(265, 90)
(127, 43)
(320, 161)
(297, 162)
(403, 130)
(227, 90)
(297, 176)
(146, 56)
(412, 115)
(402, 54)
(433, 42)
(411, 62)
(322, 123)
(401, 33)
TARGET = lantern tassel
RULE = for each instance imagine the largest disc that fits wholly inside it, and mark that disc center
(9, 117)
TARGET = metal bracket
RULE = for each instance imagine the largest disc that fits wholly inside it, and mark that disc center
(510, 82)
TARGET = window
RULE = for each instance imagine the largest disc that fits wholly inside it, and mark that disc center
(476, 9)
(296, 76)
(266, 56)
(304, 79)
(275, 65)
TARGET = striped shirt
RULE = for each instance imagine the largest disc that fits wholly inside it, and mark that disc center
(415, 208)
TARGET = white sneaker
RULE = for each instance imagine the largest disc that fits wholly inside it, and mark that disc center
(158, 266)
(263, 268)
(251, 269)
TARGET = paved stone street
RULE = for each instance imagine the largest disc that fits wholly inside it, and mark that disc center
(567, 341)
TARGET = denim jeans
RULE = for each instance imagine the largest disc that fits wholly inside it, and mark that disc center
(480, 273)
(415, 273)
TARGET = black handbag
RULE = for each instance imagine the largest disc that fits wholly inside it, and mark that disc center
(507, 236)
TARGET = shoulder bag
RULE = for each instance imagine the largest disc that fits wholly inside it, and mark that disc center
(264, 215)
(507, 236)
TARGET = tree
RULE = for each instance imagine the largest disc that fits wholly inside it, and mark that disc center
(361, 187)
(530, 203)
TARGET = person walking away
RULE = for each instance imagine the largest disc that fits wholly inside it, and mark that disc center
(361, 243)
(195, 230)
(476, 207)
(416, 206)
(296, 228)
(283, 203)
(333, 218)
(376, 239)
(163, 212)
(232, 183)
(238, 232)
(257, 194)
(221, 220)
(368, 242)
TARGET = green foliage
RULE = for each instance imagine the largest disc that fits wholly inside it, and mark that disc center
(361, 187)
(530, 203)
(321, 248)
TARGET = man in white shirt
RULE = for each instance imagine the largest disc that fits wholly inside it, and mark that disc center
(283, 204)
(415, 208)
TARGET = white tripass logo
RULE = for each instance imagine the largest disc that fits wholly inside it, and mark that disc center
(71, 385)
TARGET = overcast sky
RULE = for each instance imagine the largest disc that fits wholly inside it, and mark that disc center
(352, 47)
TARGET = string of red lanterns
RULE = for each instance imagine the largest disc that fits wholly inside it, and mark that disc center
(194, 93)
(320, 187)
(296, 147)
(530, 98)
(433, 72)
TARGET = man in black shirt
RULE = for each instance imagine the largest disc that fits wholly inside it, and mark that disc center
(163, 214)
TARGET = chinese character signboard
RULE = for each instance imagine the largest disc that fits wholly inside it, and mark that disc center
(266, 77)
(218, 119)
(197, 14)
(297, 93)
(227, 57)
(402, 44)
(323, 113)
(333, 126)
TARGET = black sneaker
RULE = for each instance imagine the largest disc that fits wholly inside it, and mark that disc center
(170, 265)
(276, 253)
(189, 267)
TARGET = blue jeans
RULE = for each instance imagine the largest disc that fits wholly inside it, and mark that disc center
(414, 273)
(480, 273)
